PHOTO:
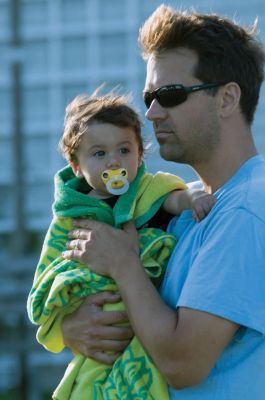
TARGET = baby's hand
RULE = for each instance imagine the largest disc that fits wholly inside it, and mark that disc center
(201, 203)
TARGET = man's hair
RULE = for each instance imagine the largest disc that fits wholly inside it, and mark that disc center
(84, 110)
(226, 52)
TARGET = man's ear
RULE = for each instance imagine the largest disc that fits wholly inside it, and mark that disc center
(230, 98)
(76, 169)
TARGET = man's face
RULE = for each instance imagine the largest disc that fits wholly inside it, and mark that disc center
(189, 132)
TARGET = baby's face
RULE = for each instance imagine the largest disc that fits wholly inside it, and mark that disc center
(106, 146)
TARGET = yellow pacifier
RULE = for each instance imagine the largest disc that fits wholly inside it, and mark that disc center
(116, 180)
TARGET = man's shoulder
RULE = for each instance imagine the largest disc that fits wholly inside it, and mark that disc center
(246, 190)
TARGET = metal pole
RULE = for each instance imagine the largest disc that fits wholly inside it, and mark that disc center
(19, 184)
(19, 244)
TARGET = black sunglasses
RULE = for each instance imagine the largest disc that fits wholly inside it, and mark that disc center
(173, 95)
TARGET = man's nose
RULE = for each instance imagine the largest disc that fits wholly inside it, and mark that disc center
(156, 111)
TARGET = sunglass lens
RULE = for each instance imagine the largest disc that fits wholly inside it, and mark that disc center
(166, 96)
(148, 98)
(171, 97)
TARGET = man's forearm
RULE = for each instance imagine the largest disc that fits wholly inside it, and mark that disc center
(153, 321)
(184, 344)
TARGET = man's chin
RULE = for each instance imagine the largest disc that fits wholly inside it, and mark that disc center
(168, 154)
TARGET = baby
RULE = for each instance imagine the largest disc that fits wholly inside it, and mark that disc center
(105, 179)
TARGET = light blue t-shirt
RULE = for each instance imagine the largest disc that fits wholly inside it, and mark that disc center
(218, 266)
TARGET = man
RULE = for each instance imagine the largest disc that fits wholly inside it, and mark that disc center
(206, 331)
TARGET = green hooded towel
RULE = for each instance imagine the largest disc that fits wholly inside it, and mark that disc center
(61, 285)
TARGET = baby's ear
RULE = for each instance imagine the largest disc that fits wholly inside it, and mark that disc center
(76, 169)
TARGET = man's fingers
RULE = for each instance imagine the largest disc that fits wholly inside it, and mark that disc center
(72, 255)
(131, 231)
(120, 333)
(102, 298)
(113, 317)
(87, 223)
(79, 234)
(104, 358)
(75, 244)
(116, 346)
(97, 355)
(129, 227)
(107, 357)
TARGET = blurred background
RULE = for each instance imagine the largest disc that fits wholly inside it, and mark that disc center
(50, 51)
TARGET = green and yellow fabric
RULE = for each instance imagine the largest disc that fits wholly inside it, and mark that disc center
(60, 285)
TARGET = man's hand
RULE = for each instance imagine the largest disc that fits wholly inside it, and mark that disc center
(104, 249)
(92, 332)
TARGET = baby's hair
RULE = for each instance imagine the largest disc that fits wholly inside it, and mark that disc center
(84, 110)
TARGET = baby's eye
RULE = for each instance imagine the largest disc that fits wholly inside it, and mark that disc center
(124, 150)
(99, 153)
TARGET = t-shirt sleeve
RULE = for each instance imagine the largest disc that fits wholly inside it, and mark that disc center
(227, 277)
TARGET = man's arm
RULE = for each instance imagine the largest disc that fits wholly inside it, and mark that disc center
(184, 344)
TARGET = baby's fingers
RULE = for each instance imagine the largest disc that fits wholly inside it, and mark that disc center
(198, 213)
